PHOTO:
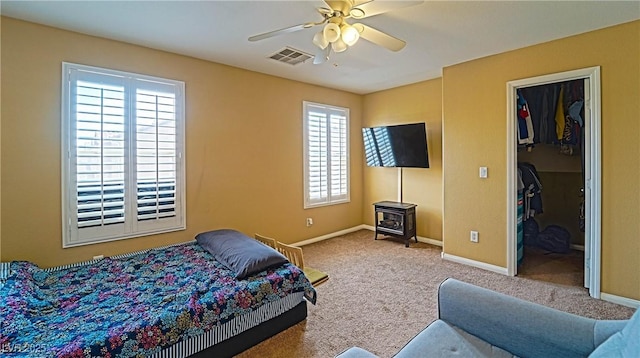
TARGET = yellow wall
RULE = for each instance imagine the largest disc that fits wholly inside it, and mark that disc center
(474, 127)
(420, 102)
(243, 145)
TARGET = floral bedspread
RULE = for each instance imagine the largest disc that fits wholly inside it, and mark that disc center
(132, 306)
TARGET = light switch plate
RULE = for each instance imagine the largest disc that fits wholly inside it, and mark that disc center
(483, 172)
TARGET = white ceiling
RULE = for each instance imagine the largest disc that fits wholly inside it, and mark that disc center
(438, 33)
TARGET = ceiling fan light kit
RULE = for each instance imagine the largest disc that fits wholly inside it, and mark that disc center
(349, 34)
(331, 32)
(338, 45)
(340, 37)
(320, 41)
(339, 33)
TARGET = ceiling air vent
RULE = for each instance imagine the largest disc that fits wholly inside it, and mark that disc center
(291, 56)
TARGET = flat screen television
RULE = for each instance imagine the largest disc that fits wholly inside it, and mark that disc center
(403, 146)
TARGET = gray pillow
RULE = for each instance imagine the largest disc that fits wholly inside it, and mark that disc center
(239, 253)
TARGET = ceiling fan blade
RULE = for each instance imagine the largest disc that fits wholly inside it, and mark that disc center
(372, 7)
(286, 30)
(379, 38)
(321, 55)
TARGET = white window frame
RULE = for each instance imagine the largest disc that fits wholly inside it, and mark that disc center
(329, 199)
(132, 227)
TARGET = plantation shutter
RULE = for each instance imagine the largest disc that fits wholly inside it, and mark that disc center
(338, 156)
(155, 154)
(318, 157)
(326, 155)
(122, 140)
(98, 130)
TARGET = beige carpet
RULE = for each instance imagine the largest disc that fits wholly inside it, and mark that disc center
(381, 294)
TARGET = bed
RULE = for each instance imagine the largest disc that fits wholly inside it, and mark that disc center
(174, 301)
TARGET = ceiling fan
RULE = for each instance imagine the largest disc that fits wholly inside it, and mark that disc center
(337, 34)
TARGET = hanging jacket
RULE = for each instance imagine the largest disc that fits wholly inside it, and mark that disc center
(574, 111)
(532, 190)
(525, 125)
(542, 101)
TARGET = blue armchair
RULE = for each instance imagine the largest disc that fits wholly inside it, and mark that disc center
(477, 322)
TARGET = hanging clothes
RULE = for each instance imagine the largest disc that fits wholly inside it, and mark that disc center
(528, 174)
(574, 111)
(573, 107)
(525, 125)
(543, 101)
(573, 91)
(551, 114)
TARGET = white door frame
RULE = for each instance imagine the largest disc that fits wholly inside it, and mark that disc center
(593, 219)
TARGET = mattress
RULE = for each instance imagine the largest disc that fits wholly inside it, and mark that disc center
(166, 302)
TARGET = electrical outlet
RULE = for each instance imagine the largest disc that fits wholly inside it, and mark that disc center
(474, 236)
(309, 221)
(484, 172)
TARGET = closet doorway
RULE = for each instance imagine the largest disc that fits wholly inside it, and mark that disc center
(591, 170)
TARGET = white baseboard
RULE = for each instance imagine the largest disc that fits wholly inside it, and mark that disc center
(425, 240)
(329, 236)
(369, 227)
(474, 263)
(629, 302)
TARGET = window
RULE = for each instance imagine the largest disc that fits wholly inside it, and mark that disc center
(122, 155)
(326, 155)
